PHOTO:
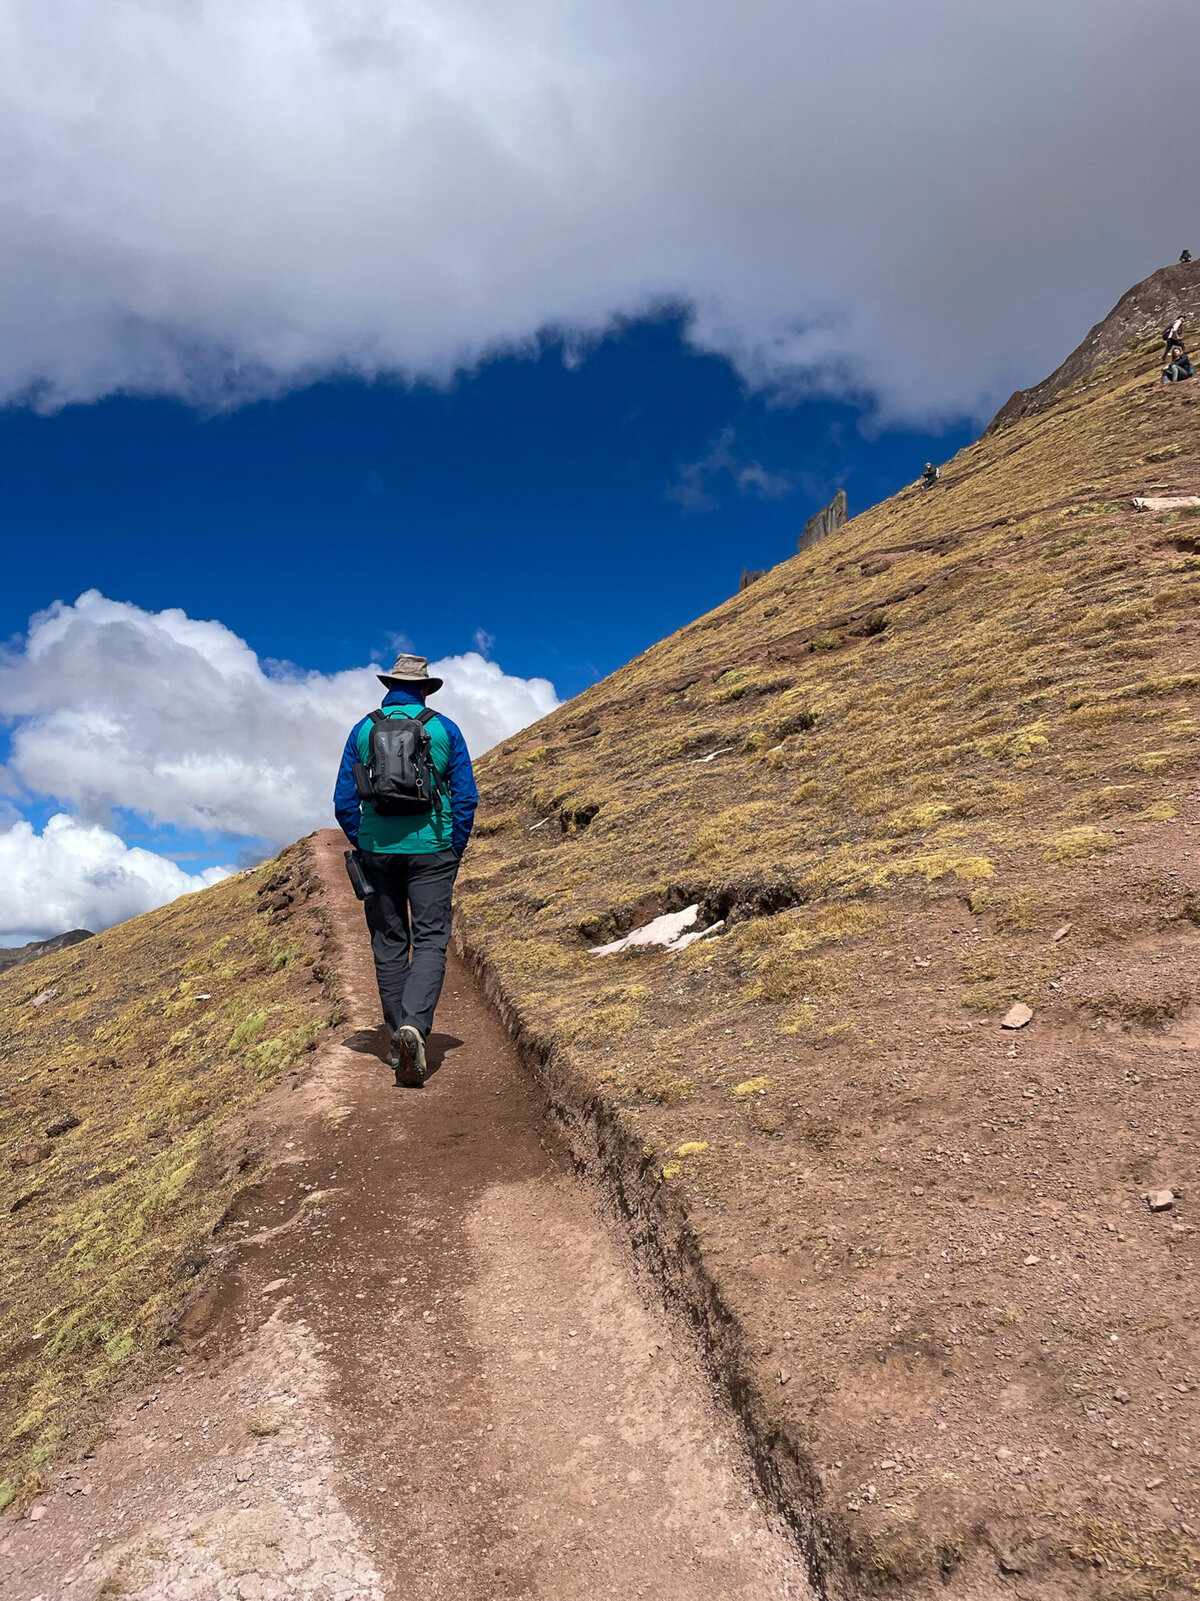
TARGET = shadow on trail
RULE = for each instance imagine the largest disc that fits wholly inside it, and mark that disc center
(374, 1042)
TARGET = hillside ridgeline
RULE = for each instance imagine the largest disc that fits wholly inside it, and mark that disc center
(941, 764)
(19, 955)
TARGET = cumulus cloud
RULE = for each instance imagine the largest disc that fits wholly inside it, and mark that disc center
(929, 200)
(693, 485)
(177, 720)
(79, 875)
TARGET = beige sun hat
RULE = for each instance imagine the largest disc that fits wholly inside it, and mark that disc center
(411, 670)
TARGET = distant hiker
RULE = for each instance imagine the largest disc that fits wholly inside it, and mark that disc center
(1171, 336)
(931, 474)
(1179, 366)
(405, 798)
(1184, 257)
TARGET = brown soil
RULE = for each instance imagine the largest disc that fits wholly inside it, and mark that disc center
(430, 1374)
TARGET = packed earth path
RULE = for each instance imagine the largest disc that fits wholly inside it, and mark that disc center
(429, 1373)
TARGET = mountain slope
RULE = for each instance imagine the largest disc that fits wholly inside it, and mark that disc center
(942, 763)
(1141, 312)
(125, 1062)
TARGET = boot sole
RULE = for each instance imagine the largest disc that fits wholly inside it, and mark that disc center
(406, 1064)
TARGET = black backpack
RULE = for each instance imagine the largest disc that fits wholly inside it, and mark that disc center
(398, 777)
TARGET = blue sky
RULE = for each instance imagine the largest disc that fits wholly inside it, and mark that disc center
(276, 391)
(548, 503)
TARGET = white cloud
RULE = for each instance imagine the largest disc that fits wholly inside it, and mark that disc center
(929, 199)
(177, 720)
(692, 487)
(79, 875)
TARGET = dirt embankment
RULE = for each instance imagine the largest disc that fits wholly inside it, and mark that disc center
(427, 1370)
(947, 762)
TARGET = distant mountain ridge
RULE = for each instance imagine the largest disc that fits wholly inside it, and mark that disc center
(18, 955)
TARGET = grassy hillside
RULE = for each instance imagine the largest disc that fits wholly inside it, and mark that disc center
(124, 1062)
(962, 724)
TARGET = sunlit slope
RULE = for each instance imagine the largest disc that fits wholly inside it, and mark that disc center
(956, 728)
(124, 1062)
(991, 670)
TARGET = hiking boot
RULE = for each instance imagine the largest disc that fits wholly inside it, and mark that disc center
(407, 1057)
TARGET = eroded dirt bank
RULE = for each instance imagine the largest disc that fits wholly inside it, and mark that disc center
(430, 1375)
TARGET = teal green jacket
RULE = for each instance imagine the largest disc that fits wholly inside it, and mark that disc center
(447, 827)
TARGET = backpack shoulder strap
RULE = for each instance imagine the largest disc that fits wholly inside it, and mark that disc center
(425, 716)
(379, 716)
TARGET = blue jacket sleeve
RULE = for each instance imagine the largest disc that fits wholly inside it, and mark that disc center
(464, 796)
(347, 807)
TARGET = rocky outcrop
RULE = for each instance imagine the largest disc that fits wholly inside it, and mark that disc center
(825, 522)
(18, 955)
(1143, 311)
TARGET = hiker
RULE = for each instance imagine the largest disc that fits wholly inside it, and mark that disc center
(1171, 336)
(405, 798)
(931, 474)
(1184, 257)
(1179, 366)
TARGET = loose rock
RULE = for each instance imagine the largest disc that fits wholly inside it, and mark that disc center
(62, 1125)
(1160, 1200)
(1017, 1015)
(28, 1155)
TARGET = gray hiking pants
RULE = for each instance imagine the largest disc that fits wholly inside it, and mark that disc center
(409, 919)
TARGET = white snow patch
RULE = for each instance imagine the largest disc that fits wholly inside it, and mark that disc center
(669, 931)
(684, 940)
(1164, 502)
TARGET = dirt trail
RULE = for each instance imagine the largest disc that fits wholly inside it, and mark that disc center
(431, 1374)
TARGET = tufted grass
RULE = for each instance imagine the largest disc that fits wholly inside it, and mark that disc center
(163, 1029)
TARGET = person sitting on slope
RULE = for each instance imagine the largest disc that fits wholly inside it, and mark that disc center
(1179, 366)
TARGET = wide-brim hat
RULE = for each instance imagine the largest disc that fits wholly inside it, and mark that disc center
(411, 670)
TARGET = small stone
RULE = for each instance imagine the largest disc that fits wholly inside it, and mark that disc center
(1032, 1261)
(62, 1125)
(1061, 933)
(40, 1000)
(275, 1284)
(888, 1462)
(1153, 1484)
(429, 1317)
(1002, 1453)
(1017, 1015)
(36, 1513)
(245, 1472)
(784, 1376)
(918, 1189)
(29, 1155)
(1123, 1396)
(1160, 1200)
